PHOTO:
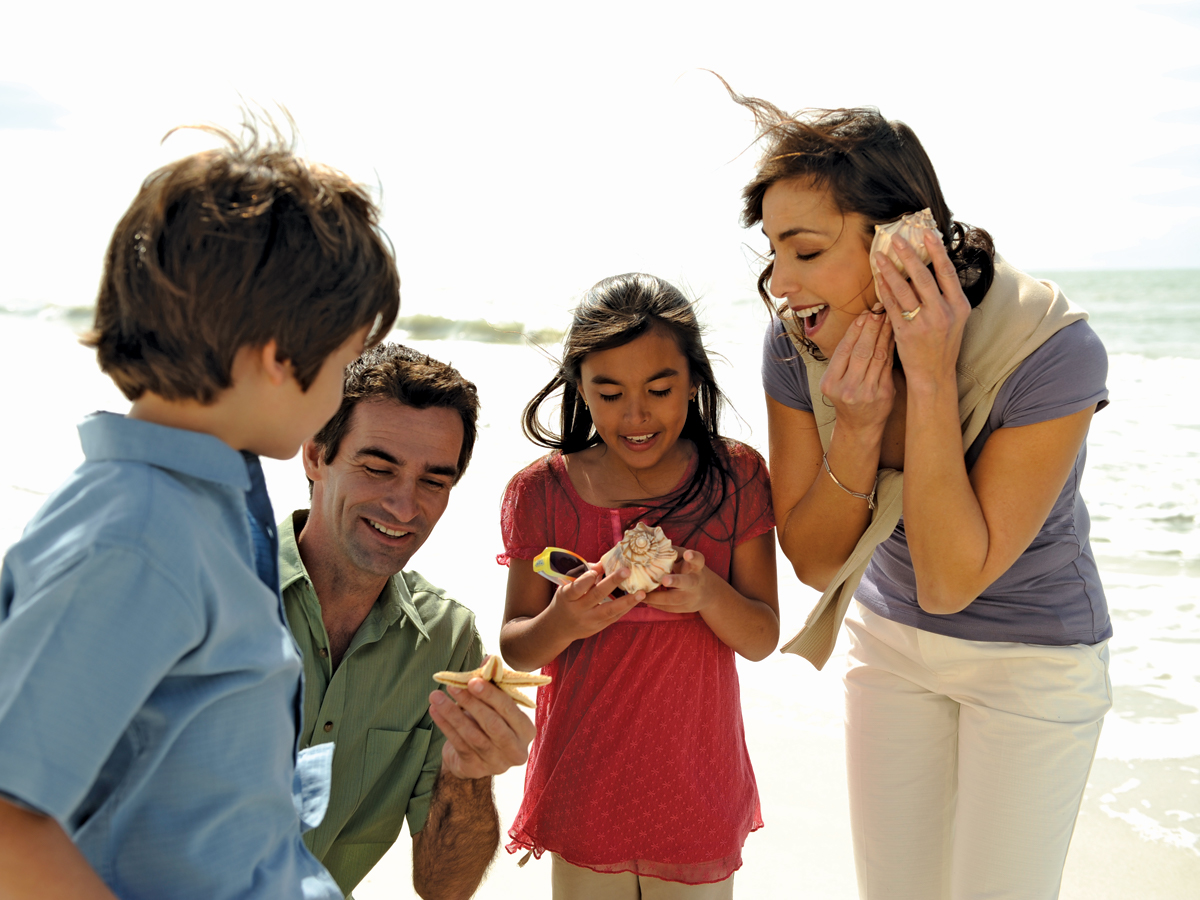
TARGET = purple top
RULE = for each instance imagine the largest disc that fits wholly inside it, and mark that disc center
(1052, 593)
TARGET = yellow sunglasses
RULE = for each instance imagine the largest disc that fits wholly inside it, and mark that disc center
(560, 566)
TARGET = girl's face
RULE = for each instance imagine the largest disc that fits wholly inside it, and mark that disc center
(822, 266)
(638, 396)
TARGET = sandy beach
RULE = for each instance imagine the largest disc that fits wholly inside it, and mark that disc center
(1136, 835)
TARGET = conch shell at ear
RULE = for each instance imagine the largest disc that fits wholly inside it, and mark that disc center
(648, 554)
(908, 227)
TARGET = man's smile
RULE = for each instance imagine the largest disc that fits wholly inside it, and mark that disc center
(389, 531)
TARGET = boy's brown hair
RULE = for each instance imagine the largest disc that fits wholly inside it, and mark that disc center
(231, 248)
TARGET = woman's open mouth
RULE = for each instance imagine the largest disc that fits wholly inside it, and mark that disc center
(639, 442)
(811, 317)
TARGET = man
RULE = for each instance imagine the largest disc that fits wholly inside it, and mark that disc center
(372, 635)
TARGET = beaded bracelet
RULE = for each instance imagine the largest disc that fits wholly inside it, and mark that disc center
(870, 498)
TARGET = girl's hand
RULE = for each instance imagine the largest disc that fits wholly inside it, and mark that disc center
(858, 381)
(927, 316)
(586, 604)
(686, 588)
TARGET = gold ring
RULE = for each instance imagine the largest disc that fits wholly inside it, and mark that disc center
(910, 314)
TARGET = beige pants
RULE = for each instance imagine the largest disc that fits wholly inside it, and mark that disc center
(577, 883)
(966, 760)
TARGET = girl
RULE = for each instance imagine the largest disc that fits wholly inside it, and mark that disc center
(978, 671)
(639, 781)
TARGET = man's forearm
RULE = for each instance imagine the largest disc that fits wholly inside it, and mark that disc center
(462, 831)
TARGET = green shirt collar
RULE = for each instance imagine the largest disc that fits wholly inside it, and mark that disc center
(395, 601)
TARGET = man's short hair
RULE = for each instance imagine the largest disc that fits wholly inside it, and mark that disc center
(395, 372)
(234, 247)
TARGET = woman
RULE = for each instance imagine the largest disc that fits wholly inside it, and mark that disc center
(978, 672)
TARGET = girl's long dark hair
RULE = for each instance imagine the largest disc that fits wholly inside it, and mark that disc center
(614, 312)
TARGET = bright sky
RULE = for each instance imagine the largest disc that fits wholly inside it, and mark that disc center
(532, 148)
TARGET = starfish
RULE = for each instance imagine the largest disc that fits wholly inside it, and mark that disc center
(493, 670)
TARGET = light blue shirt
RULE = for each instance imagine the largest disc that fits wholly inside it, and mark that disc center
(149, 685)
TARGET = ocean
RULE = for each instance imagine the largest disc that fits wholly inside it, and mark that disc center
(1141, 486)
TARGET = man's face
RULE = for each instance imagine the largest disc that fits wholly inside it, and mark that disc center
(378, 501)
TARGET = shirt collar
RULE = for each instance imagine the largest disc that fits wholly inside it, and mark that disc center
(394, 603)
(109, 436)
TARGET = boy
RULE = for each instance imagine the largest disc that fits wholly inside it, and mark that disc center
(149, 688)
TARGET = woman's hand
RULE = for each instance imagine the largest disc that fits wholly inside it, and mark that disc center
(585, 606)
(686, 588)
(858, 381)
(926, 315)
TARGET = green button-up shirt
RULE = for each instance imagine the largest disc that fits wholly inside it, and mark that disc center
(374, 707)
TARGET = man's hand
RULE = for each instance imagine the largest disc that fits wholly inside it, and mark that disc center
(486, 733)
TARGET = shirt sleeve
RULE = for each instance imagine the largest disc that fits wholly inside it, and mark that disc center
(783, 375)
(754, 516)
(524, 517)
(81, 650)
(466, 654)
(1063, 376)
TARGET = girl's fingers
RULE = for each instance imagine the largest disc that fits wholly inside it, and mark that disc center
(579, 587)
(602, 590)
(611, 609)
(618, 606)
(682, 581)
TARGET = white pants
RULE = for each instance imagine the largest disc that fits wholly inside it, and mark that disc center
(966, 760)
(570, 882)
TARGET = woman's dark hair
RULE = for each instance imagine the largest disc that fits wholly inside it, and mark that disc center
(614, 312)
(870, 166)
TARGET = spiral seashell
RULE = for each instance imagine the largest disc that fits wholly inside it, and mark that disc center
(648, 554)
(908, 227)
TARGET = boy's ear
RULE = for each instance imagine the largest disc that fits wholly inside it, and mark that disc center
(277, 370)
(311, 453)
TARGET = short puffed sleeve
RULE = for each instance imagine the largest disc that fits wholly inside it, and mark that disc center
(753, 514)
(524, 514)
